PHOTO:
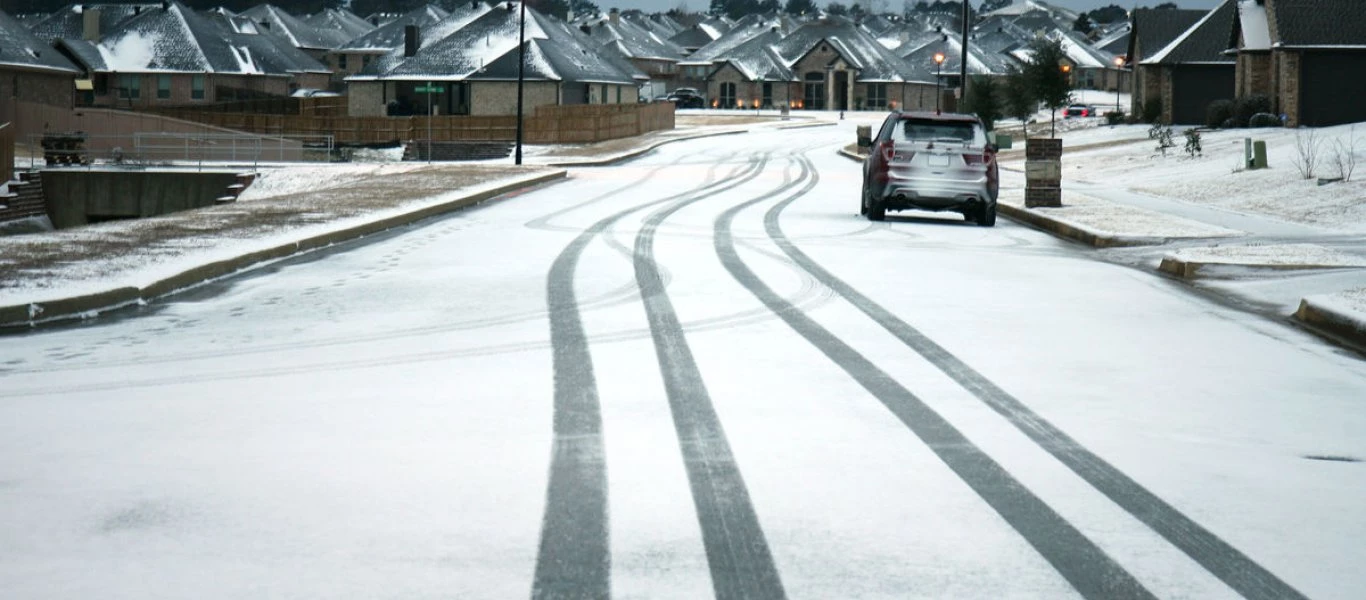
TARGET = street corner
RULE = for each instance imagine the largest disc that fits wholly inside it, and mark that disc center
(1234, 260)
(1340, 316)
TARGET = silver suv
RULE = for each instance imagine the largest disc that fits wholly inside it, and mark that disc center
(930, 161)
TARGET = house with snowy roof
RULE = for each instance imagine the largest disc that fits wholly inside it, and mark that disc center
(652, 54)
(1309, 57)
(31, 71)
(1151, 30)
(342, 20)
(86, 21)
(354, 56)
(825, 64)
(173, 56)
(469, 66)
(315, 41)
(1194, 70)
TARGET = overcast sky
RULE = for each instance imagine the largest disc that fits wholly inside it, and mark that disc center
(650, 6)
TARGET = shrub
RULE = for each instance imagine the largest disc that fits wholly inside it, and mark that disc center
(1218, 112)
(1114, 117)
(1228, 123)
(1247, 106)
(1193, 143)
(1264, 120)
(1152, 110)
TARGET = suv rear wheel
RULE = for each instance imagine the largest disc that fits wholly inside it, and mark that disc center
(872, 207)
(986, 215)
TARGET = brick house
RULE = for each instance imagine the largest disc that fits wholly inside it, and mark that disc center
(1151, 30)
(31, 71)
(470, 67)
(1308, 56)
(1194, 70)
(173, 56)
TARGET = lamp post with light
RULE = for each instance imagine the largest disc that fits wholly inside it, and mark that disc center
(938, 78)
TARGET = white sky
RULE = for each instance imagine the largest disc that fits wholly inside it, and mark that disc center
(1079, 5)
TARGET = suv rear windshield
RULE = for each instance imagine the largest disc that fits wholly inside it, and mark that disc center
(925, 130)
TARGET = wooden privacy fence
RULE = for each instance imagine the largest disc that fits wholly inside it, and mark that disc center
(550, 124)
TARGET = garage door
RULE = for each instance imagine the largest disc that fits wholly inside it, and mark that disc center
(1331, 88)
(1194, 87)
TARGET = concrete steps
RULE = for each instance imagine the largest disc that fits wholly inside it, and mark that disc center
(25, 199)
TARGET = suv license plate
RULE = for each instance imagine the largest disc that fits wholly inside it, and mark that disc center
(939, 160)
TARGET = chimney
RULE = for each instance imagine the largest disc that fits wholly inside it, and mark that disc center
(90, 25)
(410, 40)
(614, 15)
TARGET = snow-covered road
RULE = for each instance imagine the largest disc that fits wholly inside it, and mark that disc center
(699, 373)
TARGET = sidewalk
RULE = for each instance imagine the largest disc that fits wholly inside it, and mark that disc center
(1206, 219)
(79, 273)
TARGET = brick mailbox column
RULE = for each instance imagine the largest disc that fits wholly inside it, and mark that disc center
(1043, 172)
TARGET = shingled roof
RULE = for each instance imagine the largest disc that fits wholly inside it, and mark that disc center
(345, 21)
(1310, 23)
(20, 49)
(390, 35)
(1204, 43)
(176, 39)
(1154, 28)
(275, 21)
(485, 48)
(69, 22)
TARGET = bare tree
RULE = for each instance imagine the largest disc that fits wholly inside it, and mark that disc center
(1345, 155)
(1306, 152)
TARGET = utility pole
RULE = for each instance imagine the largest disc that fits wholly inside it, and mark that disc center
(963, 73)
(521, 66)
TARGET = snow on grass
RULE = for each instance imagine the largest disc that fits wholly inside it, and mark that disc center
(1217, 177)
(1309, 255)
(1117, 220)
(274, 182)
(1348, 305)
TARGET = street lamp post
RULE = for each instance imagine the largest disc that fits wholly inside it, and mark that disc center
(938, 78)
(1119, 73)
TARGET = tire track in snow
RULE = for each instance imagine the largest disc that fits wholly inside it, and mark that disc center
(1083, 564)
(574, 555)
(1225, 562)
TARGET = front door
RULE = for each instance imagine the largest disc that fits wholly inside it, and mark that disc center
(841, 90)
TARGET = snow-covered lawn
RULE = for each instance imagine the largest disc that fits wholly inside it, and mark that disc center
(1217, 177)
(1271, 255)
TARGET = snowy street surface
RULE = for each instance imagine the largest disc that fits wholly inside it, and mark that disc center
(696, 374)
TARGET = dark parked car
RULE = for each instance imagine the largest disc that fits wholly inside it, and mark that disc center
(931, 161)
(687, 98)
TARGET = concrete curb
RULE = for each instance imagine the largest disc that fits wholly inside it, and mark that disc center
(1189, 269)
(30, 315)
(1067, 230)
(1332, 324)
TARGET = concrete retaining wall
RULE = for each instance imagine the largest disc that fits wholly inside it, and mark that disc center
(77, 197)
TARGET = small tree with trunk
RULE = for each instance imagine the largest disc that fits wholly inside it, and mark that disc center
(1048, 76)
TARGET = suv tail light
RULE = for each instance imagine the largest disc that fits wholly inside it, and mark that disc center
(888, 150)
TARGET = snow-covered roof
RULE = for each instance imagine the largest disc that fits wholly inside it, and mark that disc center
(981, 61)
(743, 31)
(1154, 28)
(20, 49)
(485, 48)
(390, 35)
(275, 21)
(1081, 52)
(175, 39)
(1021, 7)
(1318, 24)
(69, 22)
(631, 41)
(345, 21)
(1203, 43)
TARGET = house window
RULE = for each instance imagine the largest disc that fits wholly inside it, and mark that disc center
(163, 86)
(877, 95)
(197, 87)
(813, 91)
(728, 94)
(603, 96)
(130, 87)
(618, 94)
(365, 60)
(767, 94)
(341, 62)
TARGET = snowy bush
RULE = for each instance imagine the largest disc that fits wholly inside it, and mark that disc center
(1264, 120)
(1249, 105)
(1193, 148)
(1345, 155)
(1152, 110)
(1218, 112)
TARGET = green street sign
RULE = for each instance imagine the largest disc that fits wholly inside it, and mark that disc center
(428, 89)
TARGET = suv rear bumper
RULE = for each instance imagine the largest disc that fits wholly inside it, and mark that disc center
(936, 194)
